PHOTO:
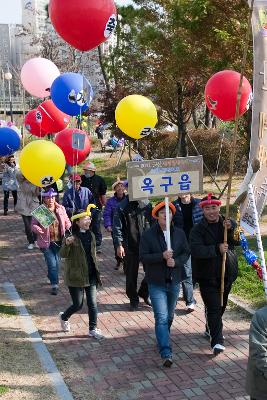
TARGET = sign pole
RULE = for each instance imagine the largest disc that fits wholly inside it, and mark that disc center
(258, 236)
(168, 223)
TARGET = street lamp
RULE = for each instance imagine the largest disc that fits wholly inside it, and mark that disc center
(8, 77)
(4, 91)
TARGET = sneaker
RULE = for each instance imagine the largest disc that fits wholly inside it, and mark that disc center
(5, 212)
(98, 250)
(31, 246)
(54, 290)
(217, 349)
(65, 325)
(96, 333)
(36, 245)
(191, 307)
(167, 362)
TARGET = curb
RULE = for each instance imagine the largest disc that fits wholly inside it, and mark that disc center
(241, 304)
(44, 356)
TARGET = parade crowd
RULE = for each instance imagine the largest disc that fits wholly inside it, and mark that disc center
(139, 234)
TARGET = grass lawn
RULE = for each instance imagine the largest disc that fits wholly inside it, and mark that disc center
(3, 389)
(248, 286)
(7, 309)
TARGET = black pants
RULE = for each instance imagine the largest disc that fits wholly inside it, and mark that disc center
(96, 225)
(77, 295)
(27, 220)
(211, 295)
(131, 263)
(6, 197)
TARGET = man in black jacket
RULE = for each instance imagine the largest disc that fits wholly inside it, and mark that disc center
(207, 249)
(130, 219)
(97, 185)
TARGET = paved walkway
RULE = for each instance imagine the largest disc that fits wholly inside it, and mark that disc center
(126, 364)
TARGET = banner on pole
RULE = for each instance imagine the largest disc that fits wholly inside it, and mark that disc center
(259, 187)
(164, 177)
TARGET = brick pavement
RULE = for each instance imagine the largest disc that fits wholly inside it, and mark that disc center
(126, 364)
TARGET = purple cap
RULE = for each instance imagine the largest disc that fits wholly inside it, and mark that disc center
(50, 193)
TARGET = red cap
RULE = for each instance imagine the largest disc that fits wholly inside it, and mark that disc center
(75, 177)
(208, 200)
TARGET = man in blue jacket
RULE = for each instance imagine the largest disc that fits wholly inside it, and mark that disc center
(77, 197)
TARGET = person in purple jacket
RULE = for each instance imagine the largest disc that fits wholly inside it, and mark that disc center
(111, 204)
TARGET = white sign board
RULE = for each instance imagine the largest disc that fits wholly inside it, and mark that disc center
(166, 177)
(10, 12)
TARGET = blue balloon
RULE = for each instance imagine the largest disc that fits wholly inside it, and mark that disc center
(71, 93)
(9, 141)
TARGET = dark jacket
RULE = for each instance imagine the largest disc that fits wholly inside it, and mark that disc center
(256, 382)
(197, 213)
(152, 246)
(109, 209)
(97, 186)
(206, 256)
(129, 222)
(75, 263)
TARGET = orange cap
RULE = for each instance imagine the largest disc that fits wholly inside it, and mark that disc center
(161, 205)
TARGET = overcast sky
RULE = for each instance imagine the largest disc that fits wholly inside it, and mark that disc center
(123, 2)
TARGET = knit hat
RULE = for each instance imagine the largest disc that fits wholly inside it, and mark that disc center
(89, 167)
(118, 181)
(161, 205)
(209, 200)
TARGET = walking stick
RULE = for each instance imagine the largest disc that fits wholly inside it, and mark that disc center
(234, 140)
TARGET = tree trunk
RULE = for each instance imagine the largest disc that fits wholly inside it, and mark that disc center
(194, 117)
(182, 149)
(105, 77)
(208, 119)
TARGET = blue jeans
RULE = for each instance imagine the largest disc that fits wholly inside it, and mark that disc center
(52, 261)
(164, 299)
(187, 284)
(77, 296)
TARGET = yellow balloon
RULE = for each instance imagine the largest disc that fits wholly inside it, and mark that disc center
(136, 116)
(42, 162)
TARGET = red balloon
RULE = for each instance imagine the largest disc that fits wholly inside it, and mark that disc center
(221, 94)
(53, 120)
(32, 123)
(83, 23)
(75, 145)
